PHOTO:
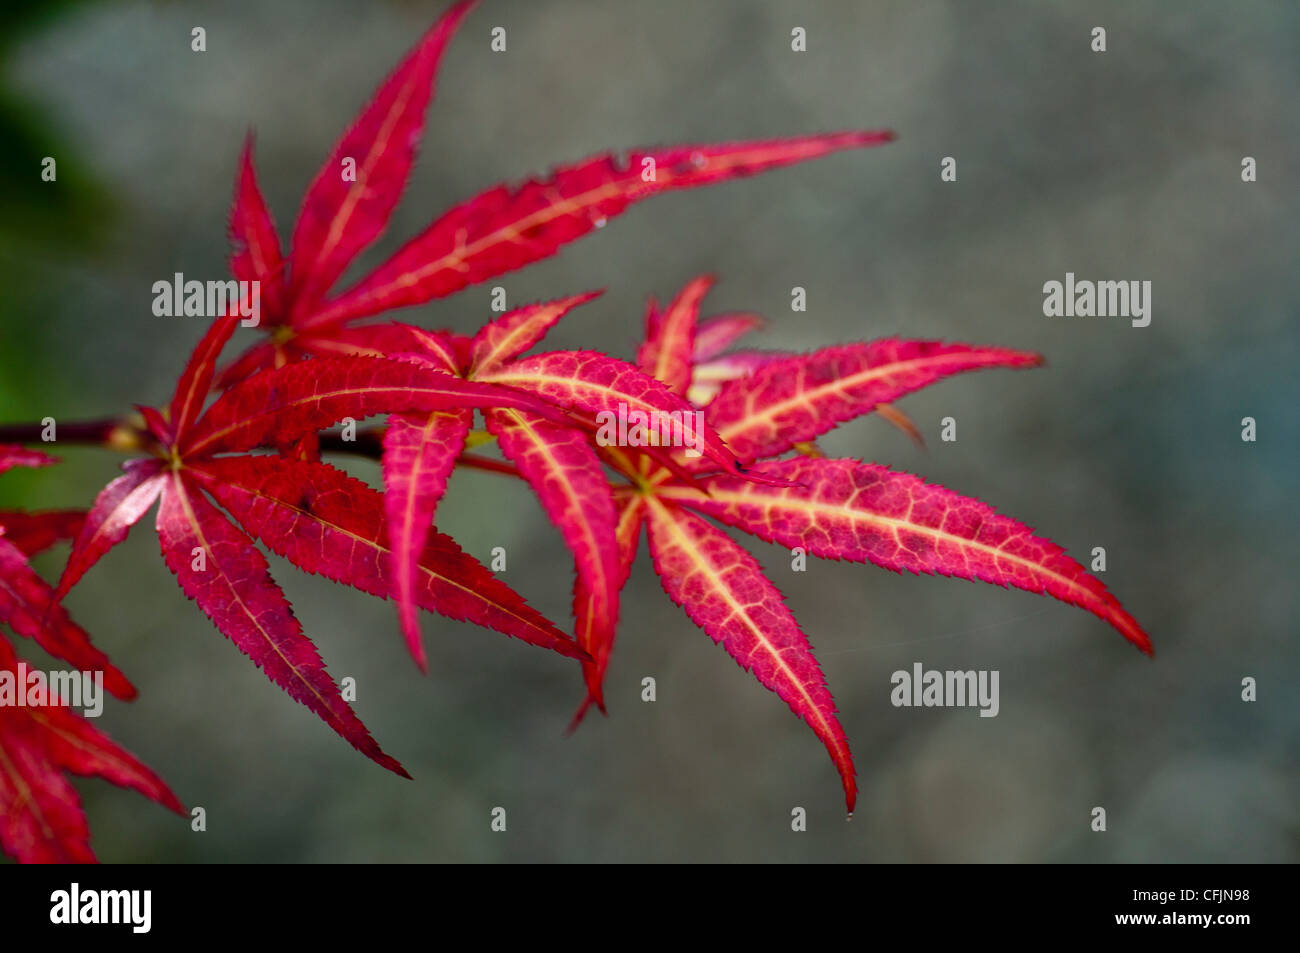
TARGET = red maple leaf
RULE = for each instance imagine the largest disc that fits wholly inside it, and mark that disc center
(41, 820)
(348, 205)
(760, 407)
(557, 458)
(835, 509)
(27, 602)
(316, 516)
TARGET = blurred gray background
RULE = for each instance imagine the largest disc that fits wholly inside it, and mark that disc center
(1122, 165)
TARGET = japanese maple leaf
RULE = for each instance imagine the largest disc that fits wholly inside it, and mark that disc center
(27, 603)
(564, 469)
(833, 508)
(316, 516)
(348, 205)
(713, 368)
(41, 820)
(555, 457)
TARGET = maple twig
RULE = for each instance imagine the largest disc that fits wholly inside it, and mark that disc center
(476, 462)
(370, 444)
(367, 443)
(113, 433)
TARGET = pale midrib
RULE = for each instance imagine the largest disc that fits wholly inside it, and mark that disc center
(502, 350)
(247, 422)
(80, 745)
(687, 543)
(575, 502)
(749, 421)
(506, 233)
(354, 195)
(184, 499)
(574, 384)
(456, 258)
(631, 513)
(408, 515)
(275, 501)
(891, 522)
(185, 412)
(25, 793)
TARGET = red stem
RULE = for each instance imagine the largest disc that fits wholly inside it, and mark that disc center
(83, 432)
(475, 462)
